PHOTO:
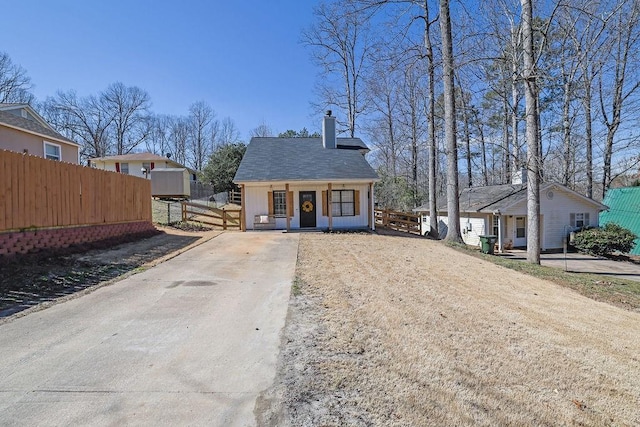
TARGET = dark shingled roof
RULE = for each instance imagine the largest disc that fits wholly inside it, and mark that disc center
(302, 159)
(483, 199)
(28, 125)
(498, 198)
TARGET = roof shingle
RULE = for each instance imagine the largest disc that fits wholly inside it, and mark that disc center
(302, 159)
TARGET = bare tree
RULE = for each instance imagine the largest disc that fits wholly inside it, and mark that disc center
(619, 86)
(200, 118)
(453, 207)
(261, 131)
(85, 120)
(159, 140)
(229, 133)
(15, 84)
(129, 106)
(340, 43)
(533, 173)
(179, 139)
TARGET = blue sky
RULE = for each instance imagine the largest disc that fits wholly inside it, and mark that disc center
(243, 57)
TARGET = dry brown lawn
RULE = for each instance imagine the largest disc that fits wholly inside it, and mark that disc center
(387, 330)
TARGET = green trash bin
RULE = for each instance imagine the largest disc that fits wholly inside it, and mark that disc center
(486, 243)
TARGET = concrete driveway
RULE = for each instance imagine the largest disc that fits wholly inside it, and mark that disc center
(583, 263)
(192, 341)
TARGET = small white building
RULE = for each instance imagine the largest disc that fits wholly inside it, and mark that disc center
(501, 210)
(307, 183)
(137, 164)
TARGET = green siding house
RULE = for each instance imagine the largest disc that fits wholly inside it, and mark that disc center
(624, 210)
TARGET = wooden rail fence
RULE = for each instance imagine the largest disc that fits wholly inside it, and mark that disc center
(401, 221)
(225, 218)
(39, 193)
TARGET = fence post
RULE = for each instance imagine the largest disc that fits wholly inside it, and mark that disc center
(224, 219)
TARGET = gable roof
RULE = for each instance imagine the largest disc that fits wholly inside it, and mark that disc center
(135, 157)
(494, 198)
(37, 126)
(303, 159)
(138, 157)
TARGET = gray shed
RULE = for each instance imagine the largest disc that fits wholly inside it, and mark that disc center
(170, 182)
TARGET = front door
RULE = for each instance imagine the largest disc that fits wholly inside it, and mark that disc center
(520, 231)
(307, 209)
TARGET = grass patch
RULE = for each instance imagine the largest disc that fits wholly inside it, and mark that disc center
(613, 290)
(296, 288)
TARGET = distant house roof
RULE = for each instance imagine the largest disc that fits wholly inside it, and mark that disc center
(494, 198)
(135, 157)
(35, 124)
(624, 210)
(303, 159)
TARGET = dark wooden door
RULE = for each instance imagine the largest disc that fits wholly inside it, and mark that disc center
(307, 209)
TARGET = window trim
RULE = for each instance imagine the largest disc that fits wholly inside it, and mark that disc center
(586, 219)
(282, 205)
(342, 203)
(523, 228)
(58, 146)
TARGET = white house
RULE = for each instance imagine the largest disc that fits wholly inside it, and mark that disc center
(501, 210)
(307, 183)
(136, 164)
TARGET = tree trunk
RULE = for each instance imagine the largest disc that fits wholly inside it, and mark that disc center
(515, 157)
(453, 207)
(433, 152)
(467, 137)
(566, 133)
(533, 173)
(505, 175)
(588, 135)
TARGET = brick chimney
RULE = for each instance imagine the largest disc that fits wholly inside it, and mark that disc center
(329, 131)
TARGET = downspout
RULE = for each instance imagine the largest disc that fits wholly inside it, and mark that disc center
(243, 210)
(500, 245)
(329, 210)
(372, 220)
(286, 187)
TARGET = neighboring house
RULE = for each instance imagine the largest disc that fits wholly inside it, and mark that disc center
(23, 130)
(137, 164)
(307, 183)
(501, 210)
(624, 210)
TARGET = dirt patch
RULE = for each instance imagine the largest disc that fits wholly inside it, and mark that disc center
(394, 331)
(41, 279)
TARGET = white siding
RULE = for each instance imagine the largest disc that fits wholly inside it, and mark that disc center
(557, 212)
(256, 203)
(471, 227)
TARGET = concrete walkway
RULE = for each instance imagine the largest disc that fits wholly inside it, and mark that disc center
(582, 263)
(192, 341)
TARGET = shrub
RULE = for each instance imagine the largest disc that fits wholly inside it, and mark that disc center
(606, 240)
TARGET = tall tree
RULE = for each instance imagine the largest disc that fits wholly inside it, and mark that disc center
(15, 84)
(200, 117)
(129, 106)
(453, 207)
(531, 114)
(433, 152)
(262, 130)
(340, 43)
(86, 120)
(619, 86)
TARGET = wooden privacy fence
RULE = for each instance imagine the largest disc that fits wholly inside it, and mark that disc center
(225, 218)
(39, 193)
(401, 221)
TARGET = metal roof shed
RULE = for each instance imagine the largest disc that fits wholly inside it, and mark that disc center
(624, 210)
